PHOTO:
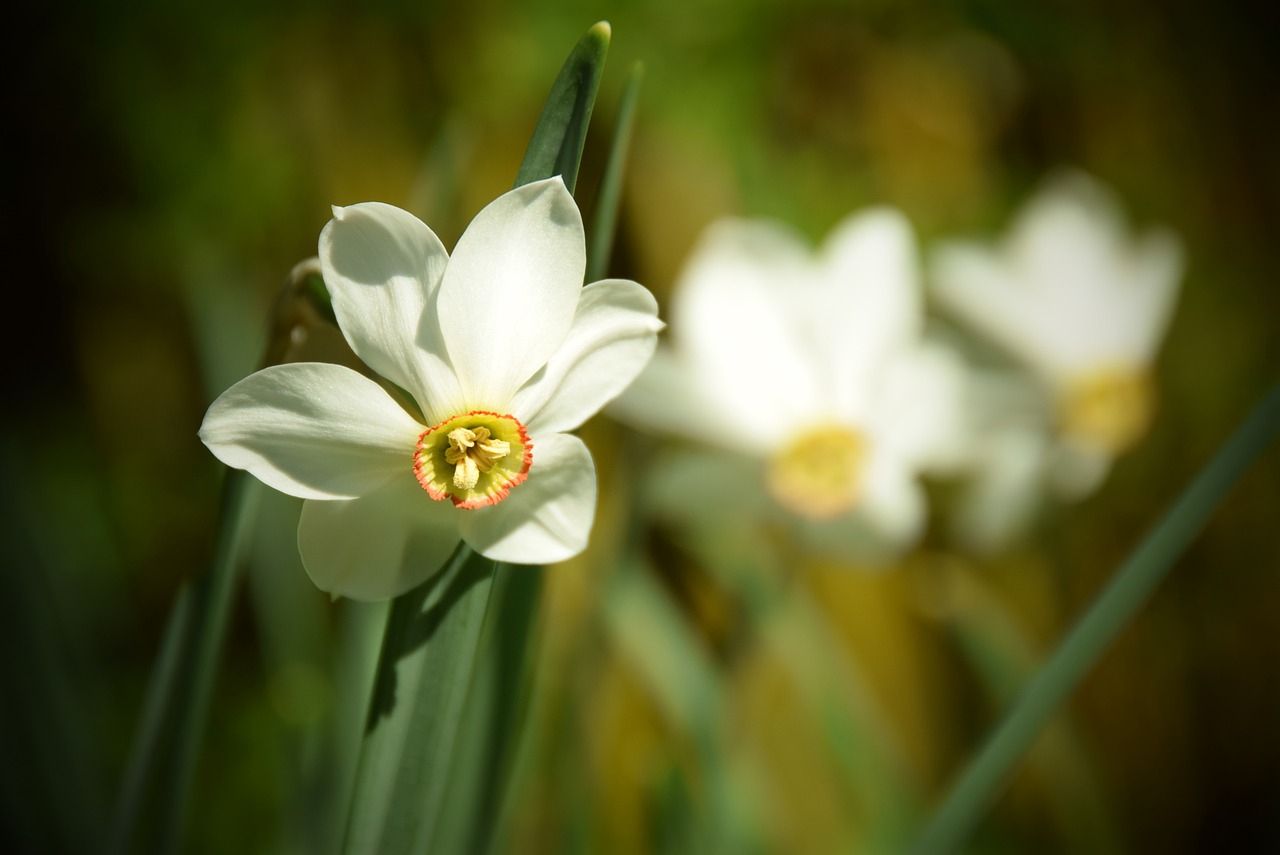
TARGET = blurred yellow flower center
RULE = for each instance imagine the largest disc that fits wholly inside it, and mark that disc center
(1108, 410)
(473, 459)
(819, 473)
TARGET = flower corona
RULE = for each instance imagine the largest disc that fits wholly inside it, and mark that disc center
(473, 460)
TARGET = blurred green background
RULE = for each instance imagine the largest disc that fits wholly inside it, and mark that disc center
(174, 160)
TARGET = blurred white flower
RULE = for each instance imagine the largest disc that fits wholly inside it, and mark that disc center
(1082, 304)
(813, 366)
(501, 349)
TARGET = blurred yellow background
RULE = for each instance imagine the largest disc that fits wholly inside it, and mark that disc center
(174, 162)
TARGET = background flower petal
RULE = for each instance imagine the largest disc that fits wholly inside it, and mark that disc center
(377, 546)
(866, 305)
(614, 333)
(548, 517)
(312, 430)
(975, 284)
(920, 407)
(732, 328)
(382, 267)
(893, 502)
(511, 288)
(1154, 274)
(666, 398)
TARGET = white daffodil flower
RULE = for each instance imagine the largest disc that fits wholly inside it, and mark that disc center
(813, 365)
(502, 351)
(1080, 303)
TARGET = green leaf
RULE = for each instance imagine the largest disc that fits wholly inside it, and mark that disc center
(496, 713)
(419, 699)
(1128, 590)
(561, 132)
(610, 196)
(166, 750)
(161, 692)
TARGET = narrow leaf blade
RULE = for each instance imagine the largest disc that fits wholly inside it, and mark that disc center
(609, 198)
(561, 132)
(419, 699)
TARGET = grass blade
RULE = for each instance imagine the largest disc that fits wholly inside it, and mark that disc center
(609, 198)
(212, 595)
(496, 711)
(151, 726)
(1095, 631)
(419, 699)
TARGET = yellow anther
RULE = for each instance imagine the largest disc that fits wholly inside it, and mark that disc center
(471, 452)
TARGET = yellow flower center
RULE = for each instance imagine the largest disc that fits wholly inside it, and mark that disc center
(1108, 410)
(473, 459)
(819, 474)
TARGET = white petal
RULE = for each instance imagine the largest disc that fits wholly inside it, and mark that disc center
(312, 430)
(866, 305)
(919, 411)
(1073, 223)
(734, 328)
(511, 288)
(548, 517)
(1005, 489)
(975, 284)
(613, 336)
(894, 504)
(1155, 272)
(380, 545)
(666, 398)
(1066, 253)
(382, 267)
(1068, 293)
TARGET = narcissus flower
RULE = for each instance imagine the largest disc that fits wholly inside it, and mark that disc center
(500, 351)
(1082, 304)
(811, 367)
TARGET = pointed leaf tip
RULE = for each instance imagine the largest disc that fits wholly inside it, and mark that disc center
(558, 139)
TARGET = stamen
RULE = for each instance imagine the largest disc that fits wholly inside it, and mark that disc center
(473, 452)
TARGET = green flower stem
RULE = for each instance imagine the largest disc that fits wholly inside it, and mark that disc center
(1095, 631)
